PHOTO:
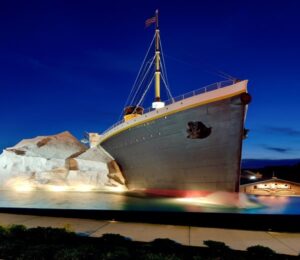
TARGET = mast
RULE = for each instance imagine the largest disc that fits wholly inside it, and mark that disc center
(157, 101)
(157, 60)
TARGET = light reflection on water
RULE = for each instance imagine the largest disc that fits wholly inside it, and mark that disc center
(119, 201)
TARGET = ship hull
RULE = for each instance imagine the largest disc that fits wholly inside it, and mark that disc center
(158, 154)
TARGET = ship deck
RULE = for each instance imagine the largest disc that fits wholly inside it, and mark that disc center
(212, 93)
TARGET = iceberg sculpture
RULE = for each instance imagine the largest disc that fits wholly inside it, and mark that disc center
(58, 162)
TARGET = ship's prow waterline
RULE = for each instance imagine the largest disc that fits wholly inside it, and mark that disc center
(193, 143)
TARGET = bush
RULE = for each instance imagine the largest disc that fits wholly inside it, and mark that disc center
(8, 249)
(115, 239)
(115, 254)
(17, 242)
(218, 249)
(216, 245)
(260, 252)
(3, 232)
(16, 231)
(198, 257)
(50, 235)
(160, 256)
(165, 244)
(39, 252)
(81, 253)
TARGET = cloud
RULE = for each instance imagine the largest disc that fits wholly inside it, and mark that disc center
(278, 149)
(283, 131)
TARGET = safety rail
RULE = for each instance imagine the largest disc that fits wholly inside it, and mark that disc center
(208, 88)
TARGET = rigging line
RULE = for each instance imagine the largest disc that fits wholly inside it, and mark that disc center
(209, 68)
(143, 72)
(164, 62)
(142, 82)
(146, 73)
(144, 85)
(141, 79)
(166, 83)
(211, 71)
(163, 74)
(217, 73)
(163, 70)
(167, 88)
(226, 74)
(146, 90)
(134, 84)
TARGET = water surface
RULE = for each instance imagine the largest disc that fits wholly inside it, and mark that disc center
(135, 202)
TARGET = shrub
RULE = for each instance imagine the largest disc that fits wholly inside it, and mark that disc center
(216, 245)
(219, 249)
(116, 254)
(165, 244)
(38, 252)
(10, 249)
(198, 257)
(16, 231)
(115, 239)
(50, 235)
(160, 256)
(261, 252)
(3, 232)
(82, 253)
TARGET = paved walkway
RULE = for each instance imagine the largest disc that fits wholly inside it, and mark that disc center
(286, 243)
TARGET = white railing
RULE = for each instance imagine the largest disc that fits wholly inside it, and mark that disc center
(202, 90)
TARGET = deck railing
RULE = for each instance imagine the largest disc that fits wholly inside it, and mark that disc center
(202, 90)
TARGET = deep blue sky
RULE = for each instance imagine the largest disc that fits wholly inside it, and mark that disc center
(70, 65)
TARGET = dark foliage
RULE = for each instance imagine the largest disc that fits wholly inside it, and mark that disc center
(165, 244)
(17, 242)
(219, 249)
(115, 239)
(84, 252)
(261, 252)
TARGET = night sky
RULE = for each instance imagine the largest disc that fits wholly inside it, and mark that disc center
(70, 65)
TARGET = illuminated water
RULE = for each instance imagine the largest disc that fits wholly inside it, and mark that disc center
(121, 201)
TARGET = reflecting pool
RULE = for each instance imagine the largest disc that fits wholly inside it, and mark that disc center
(99, 200)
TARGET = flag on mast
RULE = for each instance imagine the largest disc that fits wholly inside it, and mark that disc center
(150, 21)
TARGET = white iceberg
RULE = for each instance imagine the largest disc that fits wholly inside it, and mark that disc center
(58, 162)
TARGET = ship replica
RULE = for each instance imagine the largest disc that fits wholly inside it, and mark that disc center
(192, 142)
